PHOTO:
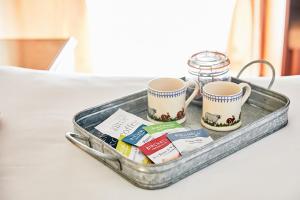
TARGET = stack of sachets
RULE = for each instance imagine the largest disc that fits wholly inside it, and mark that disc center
(118, 126)
(139, 140)
(160, 149)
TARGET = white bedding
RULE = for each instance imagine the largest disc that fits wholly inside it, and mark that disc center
(37, 162)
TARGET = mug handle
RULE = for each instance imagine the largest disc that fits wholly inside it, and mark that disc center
(195, 92)
(247, 93)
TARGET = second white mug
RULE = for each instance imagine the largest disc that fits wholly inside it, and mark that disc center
(222, 103)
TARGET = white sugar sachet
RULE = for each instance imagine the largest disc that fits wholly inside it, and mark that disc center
(189, 140)
(121, 122)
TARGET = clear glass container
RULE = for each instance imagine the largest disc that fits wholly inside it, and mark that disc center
(208, 66)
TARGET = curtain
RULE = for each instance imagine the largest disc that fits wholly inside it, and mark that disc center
(257, 29)
(257, 32)
(244, 43)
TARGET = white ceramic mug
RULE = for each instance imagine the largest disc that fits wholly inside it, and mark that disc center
(222, 103)
(167, 99)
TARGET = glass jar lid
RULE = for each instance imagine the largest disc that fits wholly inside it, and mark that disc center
(207, 60)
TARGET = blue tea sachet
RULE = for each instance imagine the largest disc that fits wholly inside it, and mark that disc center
(138, 137)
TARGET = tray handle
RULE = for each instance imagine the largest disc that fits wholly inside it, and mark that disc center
(263, 62)
(73, 137)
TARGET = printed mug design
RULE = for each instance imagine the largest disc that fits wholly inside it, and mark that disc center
(222, 105)
(223, 99)
(167, 99)
(166, 94)
(165, 117)
(212, 119)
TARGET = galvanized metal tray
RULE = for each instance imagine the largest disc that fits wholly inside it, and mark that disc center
(264, 113)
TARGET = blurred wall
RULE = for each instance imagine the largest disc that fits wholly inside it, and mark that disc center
(47, 19)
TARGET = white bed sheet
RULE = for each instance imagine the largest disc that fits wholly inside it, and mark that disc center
(38, 162)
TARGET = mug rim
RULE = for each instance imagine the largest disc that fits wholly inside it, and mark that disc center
(166, 91)
(219, 82)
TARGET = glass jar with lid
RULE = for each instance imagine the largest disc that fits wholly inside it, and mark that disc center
(208, 66)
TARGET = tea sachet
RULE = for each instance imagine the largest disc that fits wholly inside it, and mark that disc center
(189, 140)
(158, 130)
(144, 134)
(139, 137)
(131, 152)
(121, 122)
(160, 150)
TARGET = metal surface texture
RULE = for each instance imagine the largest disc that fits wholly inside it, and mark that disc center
(264, 113)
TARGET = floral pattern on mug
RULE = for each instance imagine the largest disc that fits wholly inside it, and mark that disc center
(165, 117)
(167, 99)
(212, 119)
